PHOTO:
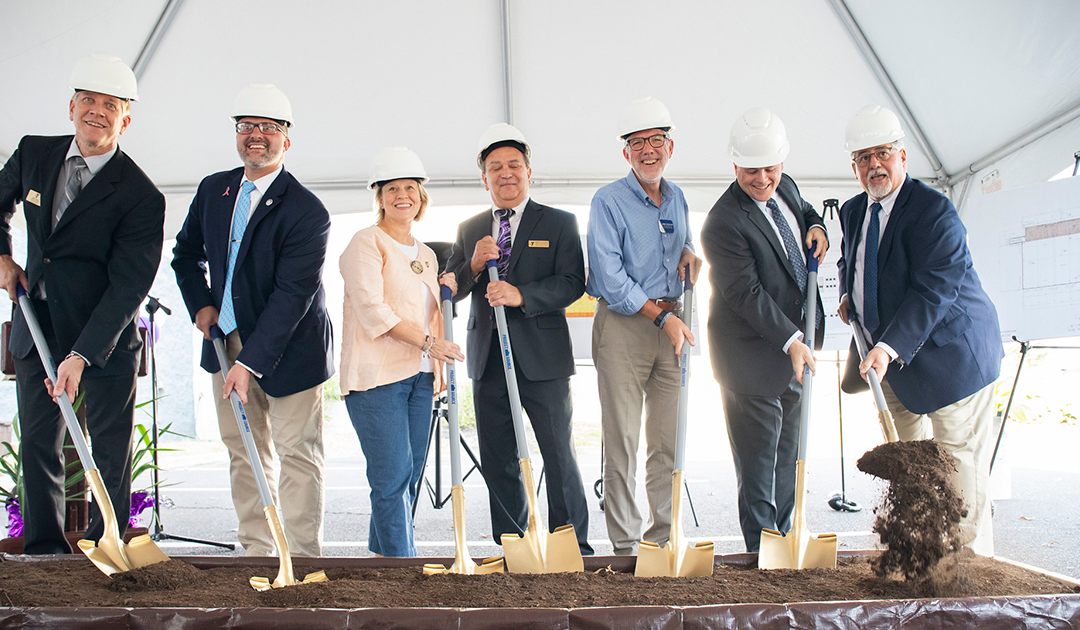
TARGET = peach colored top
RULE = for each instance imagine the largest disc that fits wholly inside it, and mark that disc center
(381, 290)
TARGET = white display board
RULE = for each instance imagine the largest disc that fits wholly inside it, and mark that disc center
(1026, 246)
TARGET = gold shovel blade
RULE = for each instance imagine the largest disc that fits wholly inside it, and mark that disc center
(285, 576)
(674, 559)
(540, 552)
(110, 553)
(463, 563)
(799, 549)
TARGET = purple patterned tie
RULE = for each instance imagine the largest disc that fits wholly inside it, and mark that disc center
(504, 215)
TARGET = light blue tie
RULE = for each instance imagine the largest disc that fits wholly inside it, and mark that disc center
(870, 264)
(227, 316)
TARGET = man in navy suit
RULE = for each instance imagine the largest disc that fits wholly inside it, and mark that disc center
(544, 273)
(263, 238)
(94, 225)
(755, 239)
(906, 273)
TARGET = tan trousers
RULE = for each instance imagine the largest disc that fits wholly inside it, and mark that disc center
(965, 430)
(293, 425)
(635, 363)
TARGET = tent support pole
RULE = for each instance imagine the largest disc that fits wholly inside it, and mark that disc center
(868, 53)
(508, 92)
(156, 35)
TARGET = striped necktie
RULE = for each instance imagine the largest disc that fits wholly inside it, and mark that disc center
(227, 316)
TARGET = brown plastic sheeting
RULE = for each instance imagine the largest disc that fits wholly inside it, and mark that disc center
(1047, 611)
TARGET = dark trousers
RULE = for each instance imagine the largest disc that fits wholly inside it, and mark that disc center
(549, 408)
(764, 436)
(110, 412)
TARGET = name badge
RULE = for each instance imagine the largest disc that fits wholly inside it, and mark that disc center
(667, 226)
(34, 197)
(538, 243)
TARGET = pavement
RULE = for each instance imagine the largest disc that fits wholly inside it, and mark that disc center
(1037, 484)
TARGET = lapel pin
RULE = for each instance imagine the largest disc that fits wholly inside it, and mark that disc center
(269, 201)
(227, 189)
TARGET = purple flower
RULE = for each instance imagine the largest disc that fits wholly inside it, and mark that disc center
(15, 520)
(139, 502)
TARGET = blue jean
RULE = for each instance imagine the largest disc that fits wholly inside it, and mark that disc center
(392, 422)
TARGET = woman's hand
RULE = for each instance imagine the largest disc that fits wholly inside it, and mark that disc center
(444, 350)
(448, 280)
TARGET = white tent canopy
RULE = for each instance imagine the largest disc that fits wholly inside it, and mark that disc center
(981, 85)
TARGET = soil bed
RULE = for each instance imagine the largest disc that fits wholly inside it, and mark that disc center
(356, 583)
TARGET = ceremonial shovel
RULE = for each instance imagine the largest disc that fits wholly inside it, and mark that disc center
(888, 428)
(535, 551)
(285, 576)
(463, 562)
(675, 559)
(800, 549)
(110, 554)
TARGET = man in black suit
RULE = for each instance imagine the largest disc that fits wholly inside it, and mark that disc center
(263, 237)
(754, 241)
(544, 272)
(94, 225)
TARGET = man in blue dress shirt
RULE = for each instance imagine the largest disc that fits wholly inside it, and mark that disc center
(639, 244)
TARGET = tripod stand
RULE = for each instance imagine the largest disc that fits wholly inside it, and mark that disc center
(157, 533)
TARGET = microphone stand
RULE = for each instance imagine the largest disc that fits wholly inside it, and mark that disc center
(158, 533)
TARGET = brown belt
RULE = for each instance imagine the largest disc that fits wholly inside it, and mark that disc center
(667, 304)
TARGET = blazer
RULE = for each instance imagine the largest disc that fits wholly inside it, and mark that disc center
(756, 302)
(381, 290)
(547, 265)
(278, 294)
(98, 263)
(933, 310)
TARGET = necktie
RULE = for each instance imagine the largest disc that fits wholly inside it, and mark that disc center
(503, 264)
(227, 316)
(873, 234)
(76, 172)
(794, 251)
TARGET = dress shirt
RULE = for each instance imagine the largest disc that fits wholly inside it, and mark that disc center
(261, 186)
(631, 260)
(856, 298)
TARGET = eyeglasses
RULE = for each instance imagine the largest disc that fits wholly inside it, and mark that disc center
(882, 155)
(655, 142)
(266, 128)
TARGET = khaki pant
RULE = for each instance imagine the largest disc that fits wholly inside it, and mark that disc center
(635, 363)
(965, 430)
(294, 426)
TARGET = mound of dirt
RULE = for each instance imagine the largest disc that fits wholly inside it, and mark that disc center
(919, 519)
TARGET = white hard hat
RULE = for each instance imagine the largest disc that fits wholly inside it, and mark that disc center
(643, 113)
(871, 126)
(758, 139)
(262, 100)
(499, 132)
(396, 163)
(104, 74)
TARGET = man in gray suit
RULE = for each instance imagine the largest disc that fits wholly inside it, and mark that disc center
(753, 239)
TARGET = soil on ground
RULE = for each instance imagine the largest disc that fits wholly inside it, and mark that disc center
(918, 520)
(75, 583)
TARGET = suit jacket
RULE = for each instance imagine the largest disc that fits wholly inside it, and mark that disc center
(277, 286)
(547, 266)
(756, 302)
(933, 310)
(99, 261)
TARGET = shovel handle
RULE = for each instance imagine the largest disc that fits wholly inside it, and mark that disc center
(451, 390)
(687, 317)
(66, 409)
(871, 375)
(241, 419)
(508, 370)
(809, 334)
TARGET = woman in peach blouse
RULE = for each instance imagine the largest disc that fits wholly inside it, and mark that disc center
(393, 347)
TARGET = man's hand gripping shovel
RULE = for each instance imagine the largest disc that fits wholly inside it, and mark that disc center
(800, 549)
(535, 551)
(110, 554)
(285, 576)
(888, 428)
(676, 559)
(463, 562)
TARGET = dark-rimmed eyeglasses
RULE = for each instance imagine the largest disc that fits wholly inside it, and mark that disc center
(657, 141)
(882, 155)
(266, 128)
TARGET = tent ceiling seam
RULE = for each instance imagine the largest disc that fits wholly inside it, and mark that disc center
(882, 75)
